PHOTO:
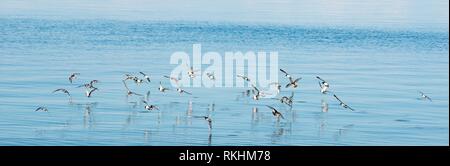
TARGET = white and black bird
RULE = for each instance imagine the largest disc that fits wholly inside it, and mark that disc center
(64, 91)
(424, 96)
(89, 85)
(137, 80)
(324, 85)
(293, 83)
(89, 92)
(128, 77)
(73, 76)
(146, 77)
(149, 107)
(343, 104)
(256, 93)
(288, 100)
(276, 113)
(161, 88)
(181, 91)
(191, 72)
(285, 73)
(41, 109)
(245, 78)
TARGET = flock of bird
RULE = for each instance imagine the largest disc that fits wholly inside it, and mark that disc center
(255, 93)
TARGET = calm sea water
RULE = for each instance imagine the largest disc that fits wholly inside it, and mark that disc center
(378, 71)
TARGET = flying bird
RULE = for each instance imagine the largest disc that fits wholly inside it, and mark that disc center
(287, 100)
(285, 73)
(324, 86)
(179, 90)
(423, 96)
(245, 78)
(41, 109)
(343, 104)
(191, 71)
(89, 85)
(293, 83)
(73, 76)
(256, 93)
(128, 77)
(149, 107)
(161, 88)
(275, 112)
(137, 80)
(146, 77)
(89, 92)
(62, 90)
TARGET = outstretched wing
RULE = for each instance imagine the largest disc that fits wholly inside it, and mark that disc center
(320, 79)
(337, 98)
(281, 115)
(298, 79)
(125, 84)
(255, 88)
(145, 102)
(271, 107)
(286, 74)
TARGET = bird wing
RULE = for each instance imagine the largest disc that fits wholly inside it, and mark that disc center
(281, 115)
(337, 98)
(271, 107)
(145, 102)
(288, 85)
(284, 72)
(255, 88)
(320, 78)
(137, 94)
(93, 81)
(125, 84)
(90, 92)
(350, 108)
(320, 84)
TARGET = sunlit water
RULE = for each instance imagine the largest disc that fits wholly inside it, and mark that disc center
(377, 71)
